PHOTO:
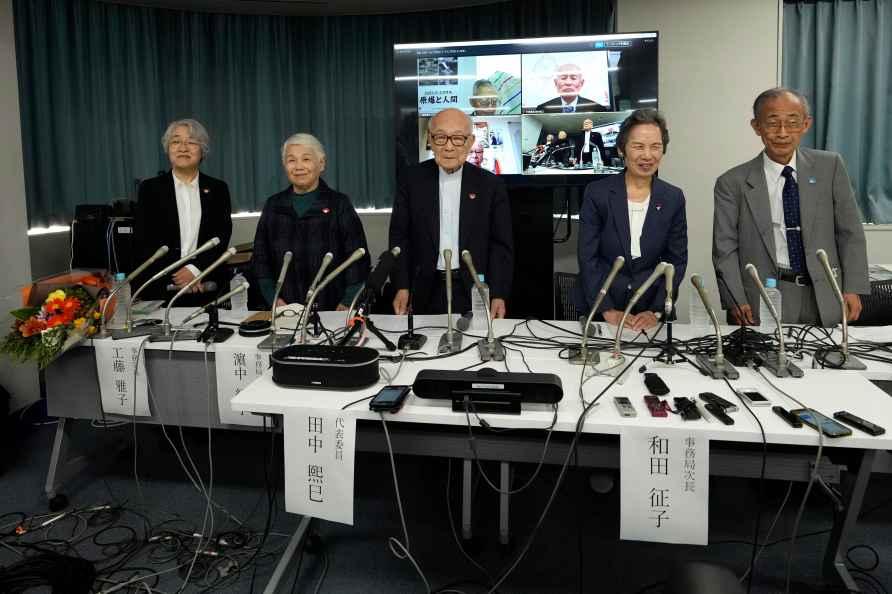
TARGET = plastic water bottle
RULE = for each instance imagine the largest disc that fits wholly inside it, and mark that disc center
(121, 303)
(238, 303)
(701, 323)
(767, 325)
(597, 161)
(480, 321)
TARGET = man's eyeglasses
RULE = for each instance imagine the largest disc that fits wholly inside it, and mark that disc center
(790, 125)
(457, 140)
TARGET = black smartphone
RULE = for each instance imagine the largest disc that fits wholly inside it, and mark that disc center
(791, 419)
(829, 427)
(859, 423)
(655, 384)
(390, 398)
(718, 400)
(718, 411)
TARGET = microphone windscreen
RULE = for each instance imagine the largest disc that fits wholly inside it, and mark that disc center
(379, 275)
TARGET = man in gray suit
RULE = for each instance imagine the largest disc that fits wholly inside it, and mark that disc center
(776, 210)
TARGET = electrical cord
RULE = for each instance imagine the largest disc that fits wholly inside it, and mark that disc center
(808, 488)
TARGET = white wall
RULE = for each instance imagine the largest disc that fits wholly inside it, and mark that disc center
(21, 381)
(715, 57)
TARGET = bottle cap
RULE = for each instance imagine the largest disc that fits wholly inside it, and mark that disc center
(480, 278)
(770, 283)
(119, 276)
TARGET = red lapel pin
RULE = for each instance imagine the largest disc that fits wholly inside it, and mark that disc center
(472, 195)
(206, 191)
(326, 210)
(658, 205)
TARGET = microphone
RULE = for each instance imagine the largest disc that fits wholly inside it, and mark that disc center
(160, 252)
(659, 270)
(489, 348)
(326, 261)
(165, 326)
(356, 255)
(779, 365)
(717, 367)
(209, 244)
(838, 359)
(205, 287)
(221, 299)
(450, 342)
(670, 278)
(583, 357)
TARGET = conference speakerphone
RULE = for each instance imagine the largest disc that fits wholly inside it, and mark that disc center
(325, 367)
(488, 390)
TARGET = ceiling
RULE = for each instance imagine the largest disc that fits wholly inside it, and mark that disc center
(305, 7)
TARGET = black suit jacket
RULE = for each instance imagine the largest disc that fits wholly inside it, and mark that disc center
(583, 105)
(594, 138)
(484, 230)
(604, 234)
(158, 223)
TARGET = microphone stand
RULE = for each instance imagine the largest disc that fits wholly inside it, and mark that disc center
(276, 340)
(778, 363)
(839, 359)
(356, 255)
(614, 364)
(737, 356)
(129, 330)
(669, 354)
(410, 340)
(450, 341)
(716, 367)
(583, 356)
(489, 348)
(160, 252)
(162, 333)
(213, 333)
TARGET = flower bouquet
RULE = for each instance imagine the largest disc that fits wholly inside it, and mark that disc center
(50, 326)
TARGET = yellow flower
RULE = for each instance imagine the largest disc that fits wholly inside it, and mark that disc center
(79, 323)
(95, 315)
(57, 294)
(91, 330)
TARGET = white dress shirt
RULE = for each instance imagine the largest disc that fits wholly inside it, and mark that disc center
(775, 182)
(586, 139)
(570, 104)
(637, 214)
(450, 204)
(189, 213)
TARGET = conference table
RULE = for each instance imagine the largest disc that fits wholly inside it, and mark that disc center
(428, 427)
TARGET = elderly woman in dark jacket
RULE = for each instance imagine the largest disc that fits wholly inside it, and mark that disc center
(308, 218)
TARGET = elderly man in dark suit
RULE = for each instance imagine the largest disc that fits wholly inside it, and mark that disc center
(778, 209)
(568, 81)
(446, 202)
(183, 209)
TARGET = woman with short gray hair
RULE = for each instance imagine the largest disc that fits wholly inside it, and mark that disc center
(182, 209)
(308, 218)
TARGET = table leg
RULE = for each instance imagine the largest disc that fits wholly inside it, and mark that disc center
(61, 468)
(288, 556)
(467, 469)
(844, 521)
(504, 499)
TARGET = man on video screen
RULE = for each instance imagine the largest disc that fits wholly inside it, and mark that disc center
(590, 145)
(568, 81)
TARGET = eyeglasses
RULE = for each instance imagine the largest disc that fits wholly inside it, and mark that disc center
(190, 144)
(790, 125)
(458, 140)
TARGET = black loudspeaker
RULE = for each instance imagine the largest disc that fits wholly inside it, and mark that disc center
(325, 367)
(488, 390)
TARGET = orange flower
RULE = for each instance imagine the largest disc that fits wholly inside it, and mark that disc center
(32, 326)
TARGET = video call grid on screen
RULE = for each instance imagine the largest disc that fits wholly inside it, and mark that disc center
(530, 100)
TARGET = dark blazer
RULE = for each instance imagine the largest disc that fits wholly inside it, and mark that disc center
(157, 224)
(583, 105)
(594, 138)
(484, 230)
(330, 225)
(604, 234)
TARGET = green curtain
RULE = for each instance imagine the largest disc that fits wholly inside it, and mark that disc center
(99, 82)
(839, 54)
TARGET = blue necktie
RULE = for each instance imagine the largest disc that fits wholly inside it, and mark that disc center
(795, 249)
(568, 109)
